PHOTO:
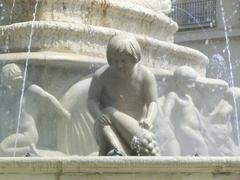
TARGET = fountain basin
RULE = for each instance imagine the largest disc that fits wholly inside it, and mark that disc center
(65, 44)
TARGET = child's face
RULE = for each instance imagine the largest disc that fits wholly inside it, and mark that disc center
(123, 65)
(186, 84)
(13, 85)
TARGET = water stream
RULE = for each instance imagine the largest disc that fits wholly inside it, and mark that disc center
(232, 83)
(25, 76)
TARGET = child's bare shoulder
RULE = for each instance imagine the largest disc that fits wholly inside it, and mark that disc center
(147, 75)
(101, 72)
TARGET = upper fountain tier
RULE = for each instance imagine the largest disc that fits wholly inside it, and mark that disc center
(135, 16)
(82, 28)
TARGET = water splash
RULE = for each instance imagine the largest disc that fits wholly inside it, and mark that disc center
(235, 12)
(232, 84)
(217, 67)
(25, 76)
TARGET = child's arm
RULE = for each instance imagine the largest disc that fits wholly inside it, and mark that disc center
(150, 94)
(169, 104)
(44, 96)
(94, 98)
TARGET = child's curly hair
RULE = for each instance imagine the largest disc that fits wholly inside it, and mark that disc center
(11, 71)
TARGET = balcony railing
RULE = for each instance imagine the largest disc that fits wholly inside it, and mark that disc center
(195, 14)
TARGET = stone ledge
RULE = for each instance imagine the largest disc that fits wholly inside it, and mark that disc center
(92, 40)
(102, 13)
(210, 34)
(215, 165)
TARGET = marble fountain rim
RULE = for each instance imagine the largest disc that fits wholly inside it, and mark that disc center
(70, 61)
(137, 12)
(194, 56)
(78, 164)
(76, 62)
(107, 15)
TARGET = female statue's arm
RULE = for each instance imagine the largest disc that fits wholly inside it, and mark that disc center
(44, 96)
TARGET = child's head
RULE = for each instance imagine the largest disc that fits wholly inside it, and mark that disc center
(123, 45)
(11, 76)
(185, 77)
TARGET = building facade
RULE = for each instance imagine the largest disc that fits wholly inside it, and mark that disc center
(212, 27)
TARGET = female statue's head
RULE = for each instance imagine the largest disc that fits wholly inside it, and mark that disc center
(12, 76)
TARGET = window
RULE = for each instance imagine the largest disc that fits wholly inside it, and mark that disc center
(195, 14)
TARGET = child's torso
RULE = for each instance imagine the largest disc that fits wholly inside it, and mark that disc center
(126, 95)
(186, 113)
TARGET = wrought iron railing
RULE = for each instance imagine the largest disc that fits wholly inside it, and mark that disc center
(195, 14)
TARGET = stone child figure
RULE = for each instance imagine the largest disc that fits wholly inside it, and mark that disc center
(122, 99)
(185, 117)
(220, 127)
(34, 97)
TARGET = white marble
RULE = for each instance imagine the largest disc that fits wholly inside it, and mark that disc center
(132, 16)
(69, 44)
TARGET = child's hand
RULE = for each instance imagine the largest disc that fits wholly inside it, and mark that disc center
(104, 120)
(145, 124)
(109, 111)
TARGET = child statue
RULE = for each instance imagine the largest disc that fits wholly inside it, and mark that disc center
(220, 127)
(185, 117)
(24, 141)
(123, 101)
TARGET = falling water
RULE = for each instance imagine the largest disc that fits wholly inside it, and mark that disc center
(25, 76)
(217, 67)
(230, 68)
